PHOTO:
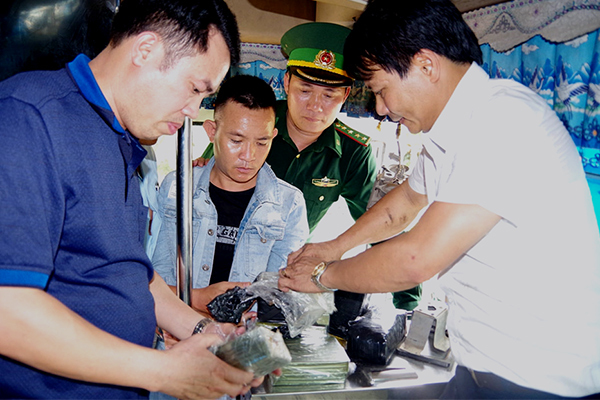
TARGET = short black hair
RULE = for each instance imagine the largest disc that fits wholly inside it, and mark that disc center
(184, 25)
(390, 32)
(249, 91)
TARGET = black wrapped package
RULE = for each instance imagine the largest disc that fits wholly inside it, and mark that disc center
(300, 310)
(374, 337)
(269, 312)
(231, 305)
(348, 307)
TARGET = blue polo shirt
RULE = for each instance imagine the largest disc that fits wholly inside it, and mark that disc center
(71, 216)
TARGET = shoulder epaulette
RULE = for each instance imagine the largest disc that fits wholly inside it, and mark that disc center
(355, 135)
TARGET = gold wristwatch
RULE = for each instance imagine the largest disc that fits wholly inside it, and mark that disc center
(315, 277)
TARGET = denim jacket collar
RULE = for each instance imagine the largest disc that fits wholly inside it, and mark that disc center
(267, 190)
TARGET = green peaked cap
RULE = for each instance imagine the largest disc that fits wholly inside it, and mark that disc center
(315, 52)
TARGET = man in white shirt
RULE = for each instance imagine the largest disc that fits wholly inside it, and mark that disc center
(509, 228)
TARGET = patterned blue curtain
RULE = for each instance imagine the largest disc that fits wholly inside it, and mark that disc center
(567, 76)
(263, 60)
(553, 47)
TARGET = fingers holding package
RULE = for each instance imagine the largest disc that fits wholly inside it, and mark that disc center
(192, 371)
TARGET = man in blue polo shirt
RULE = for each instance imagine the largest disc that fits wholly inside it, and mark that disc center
(79, 299)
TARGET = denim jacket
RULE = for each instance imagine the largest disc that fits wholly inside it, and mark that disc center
(274, 225)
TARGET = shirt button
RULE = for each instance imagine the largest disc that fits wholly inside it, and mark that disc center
(321, 198)
(210, 232)
(205, 267)
(263, 240)
(297, 155)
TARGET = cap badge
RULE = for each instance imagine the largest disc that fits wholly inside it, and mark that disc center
(325, 59)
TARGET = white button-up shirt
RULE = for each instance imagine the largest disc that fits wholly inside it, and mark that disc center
(525, 301)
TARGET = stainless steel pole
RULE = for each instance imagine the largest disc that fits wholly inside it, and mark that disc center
(184, 212)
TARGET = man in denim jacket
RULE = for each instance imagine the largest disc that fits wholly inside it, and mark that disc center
(271, 214)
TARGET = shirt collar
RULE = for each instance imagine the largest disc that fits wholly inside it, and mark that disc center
(79, 69)
(85, 80)
(329, 138)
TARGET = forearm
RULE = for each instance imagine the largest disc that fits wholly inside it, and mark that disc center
(172, 314)
(39, 331)
(444, 233)
(387, 218)
(390, 266)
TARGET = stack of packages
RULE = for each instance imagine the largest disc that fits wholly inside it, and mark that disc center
(316, 360)
(319, 362)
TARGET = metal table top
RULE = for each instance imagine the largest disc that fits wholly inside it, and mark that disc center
(420, 381)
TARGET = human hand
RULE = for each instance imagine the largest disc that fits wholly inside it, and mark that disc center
(302, 262)
(200, 162)
(323, 251)
(226, 331)
(190, 371)
(169, 339)
(297, 276)
(248, 318)
(202, 296)
(222, 330)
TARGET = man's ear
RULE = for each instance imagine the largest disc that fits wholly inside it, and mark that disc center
(428, 63)
(286, 82)
(275, 132)
(145, 46)
(210, 127)
(347, 93)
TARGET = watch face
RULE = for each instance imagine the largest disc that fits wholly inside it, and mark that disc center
(318, 269)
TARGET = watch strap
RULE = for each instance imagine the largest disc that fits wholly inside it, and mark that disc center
(316, 276)
(201, 325)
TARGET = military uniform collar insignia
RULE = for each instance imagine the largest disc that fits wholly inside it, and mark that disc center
(358, 137)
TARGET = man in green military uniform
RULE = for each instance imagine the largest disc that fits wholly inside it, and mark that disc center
(316, 152)
(313, 150)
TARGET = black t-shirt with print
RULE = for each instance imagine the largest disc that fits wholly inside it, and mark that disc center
(231, 207)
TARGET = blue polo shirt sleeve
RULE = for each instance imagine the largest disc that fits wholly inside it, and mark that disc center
(31, 206)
